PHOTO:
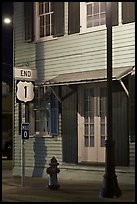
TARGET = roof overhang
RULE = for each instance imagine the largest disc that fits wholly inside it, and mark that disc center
(89, 76)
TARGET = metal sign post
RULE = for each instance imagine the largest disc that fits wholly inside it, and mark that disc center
(23, 149)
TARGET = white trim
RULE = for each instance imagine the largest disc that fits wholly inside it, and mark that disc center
(119, 13)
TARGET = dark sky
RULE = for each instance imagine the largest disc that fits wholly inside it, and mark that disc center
(7, 41)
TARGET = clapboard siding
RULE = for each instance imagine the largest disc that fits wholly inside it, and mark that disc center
(80, 52)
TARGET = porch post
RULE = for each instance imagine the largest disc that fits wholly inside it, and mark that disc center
(110, 185)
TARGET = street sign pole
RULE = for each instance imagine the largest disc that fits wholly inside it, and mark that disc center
(23, 148)
(24, 93)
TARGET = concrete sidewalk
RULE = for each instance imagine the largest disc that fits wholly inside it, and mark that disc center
(35, 190)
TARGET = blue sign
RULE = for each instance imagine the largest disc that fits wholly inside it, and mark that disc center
(25, 131)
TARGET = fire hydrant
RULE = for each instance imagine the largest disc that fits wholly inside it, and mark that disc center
(52, 171)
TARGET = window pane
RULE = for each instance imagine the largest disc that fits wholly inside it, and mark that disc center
(102, 129)
(85, 119)
(51, 6)
(91, 141)
(46, 7)
(89, 9)
(40, 8)
(102, 6)
(86, 141)
(96, 8)
(96, 20)
(41, 20)
(42, 32)
(102, 141)
(86, 130)
(90, 21)
(92, 129)
(102, 19)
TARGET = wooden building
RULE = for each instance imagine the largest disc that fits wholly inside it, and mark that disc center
(66, 44)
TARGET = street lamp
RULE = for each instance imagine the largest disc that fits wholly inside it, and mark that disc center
(110, 186)
(7, 20)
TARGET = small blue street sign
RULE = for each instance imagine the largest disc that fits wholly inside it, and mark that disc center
(25, 131)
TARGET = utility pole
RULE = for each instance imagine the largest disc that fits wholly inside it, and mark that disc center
(110, 186)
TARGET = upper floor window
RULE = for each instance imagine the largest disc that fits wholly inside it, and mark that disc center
(93, 15)
(46, 18)
(96, 14)
(49, 19)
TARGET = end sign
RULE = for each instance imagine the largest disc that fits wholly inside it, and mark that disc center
(25, 131)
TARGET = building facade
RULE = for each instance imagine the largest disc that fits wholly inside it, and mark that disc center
(66, 44)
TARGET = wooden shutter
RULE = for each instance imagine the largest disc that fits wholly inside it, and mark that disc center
(58, 18)
(28, 21)
(114, 13)
(128, 12)
(73, 17)
(53, 115)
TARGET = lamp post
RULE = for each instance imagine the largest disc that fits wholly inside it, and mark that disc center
(7, 20)
(110, 186)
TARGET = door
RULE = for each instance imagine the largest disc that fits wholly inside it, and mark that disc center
(92, 126)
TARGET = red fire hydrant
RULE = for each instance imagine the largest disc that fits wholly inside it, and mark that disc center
(52, 171)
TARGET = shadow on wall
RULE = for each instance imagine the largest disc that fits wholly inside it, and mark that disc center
(40, 153)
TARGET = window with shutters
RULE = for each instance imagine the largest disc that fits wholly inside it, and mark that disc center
(45, 18)
(93, 15)
(41, 111)
(49, 20)
(42, 114)
(96, 14)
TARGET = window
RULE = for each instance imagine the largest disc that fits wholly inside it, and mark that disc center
(93, 15)
(96, 14)
(49, 19)
(46, 18)
(42, 111)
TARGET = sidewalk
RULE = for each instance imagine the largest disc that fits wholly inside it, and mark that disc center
(35, 190)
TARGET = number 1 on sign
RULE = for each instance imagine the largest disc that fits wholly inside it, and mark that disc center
(25, 87)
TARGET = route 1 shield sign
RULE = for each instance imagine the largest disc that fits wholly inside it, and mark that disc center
(25, 91)
(25, 131)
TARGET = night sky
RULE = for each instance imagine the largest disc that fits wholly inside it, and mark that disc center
(7, 41)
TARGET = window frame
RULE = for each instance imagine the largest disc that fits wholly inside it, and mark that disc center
(58, 23)
(37, 27)
(83, 20)
(39, 109)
